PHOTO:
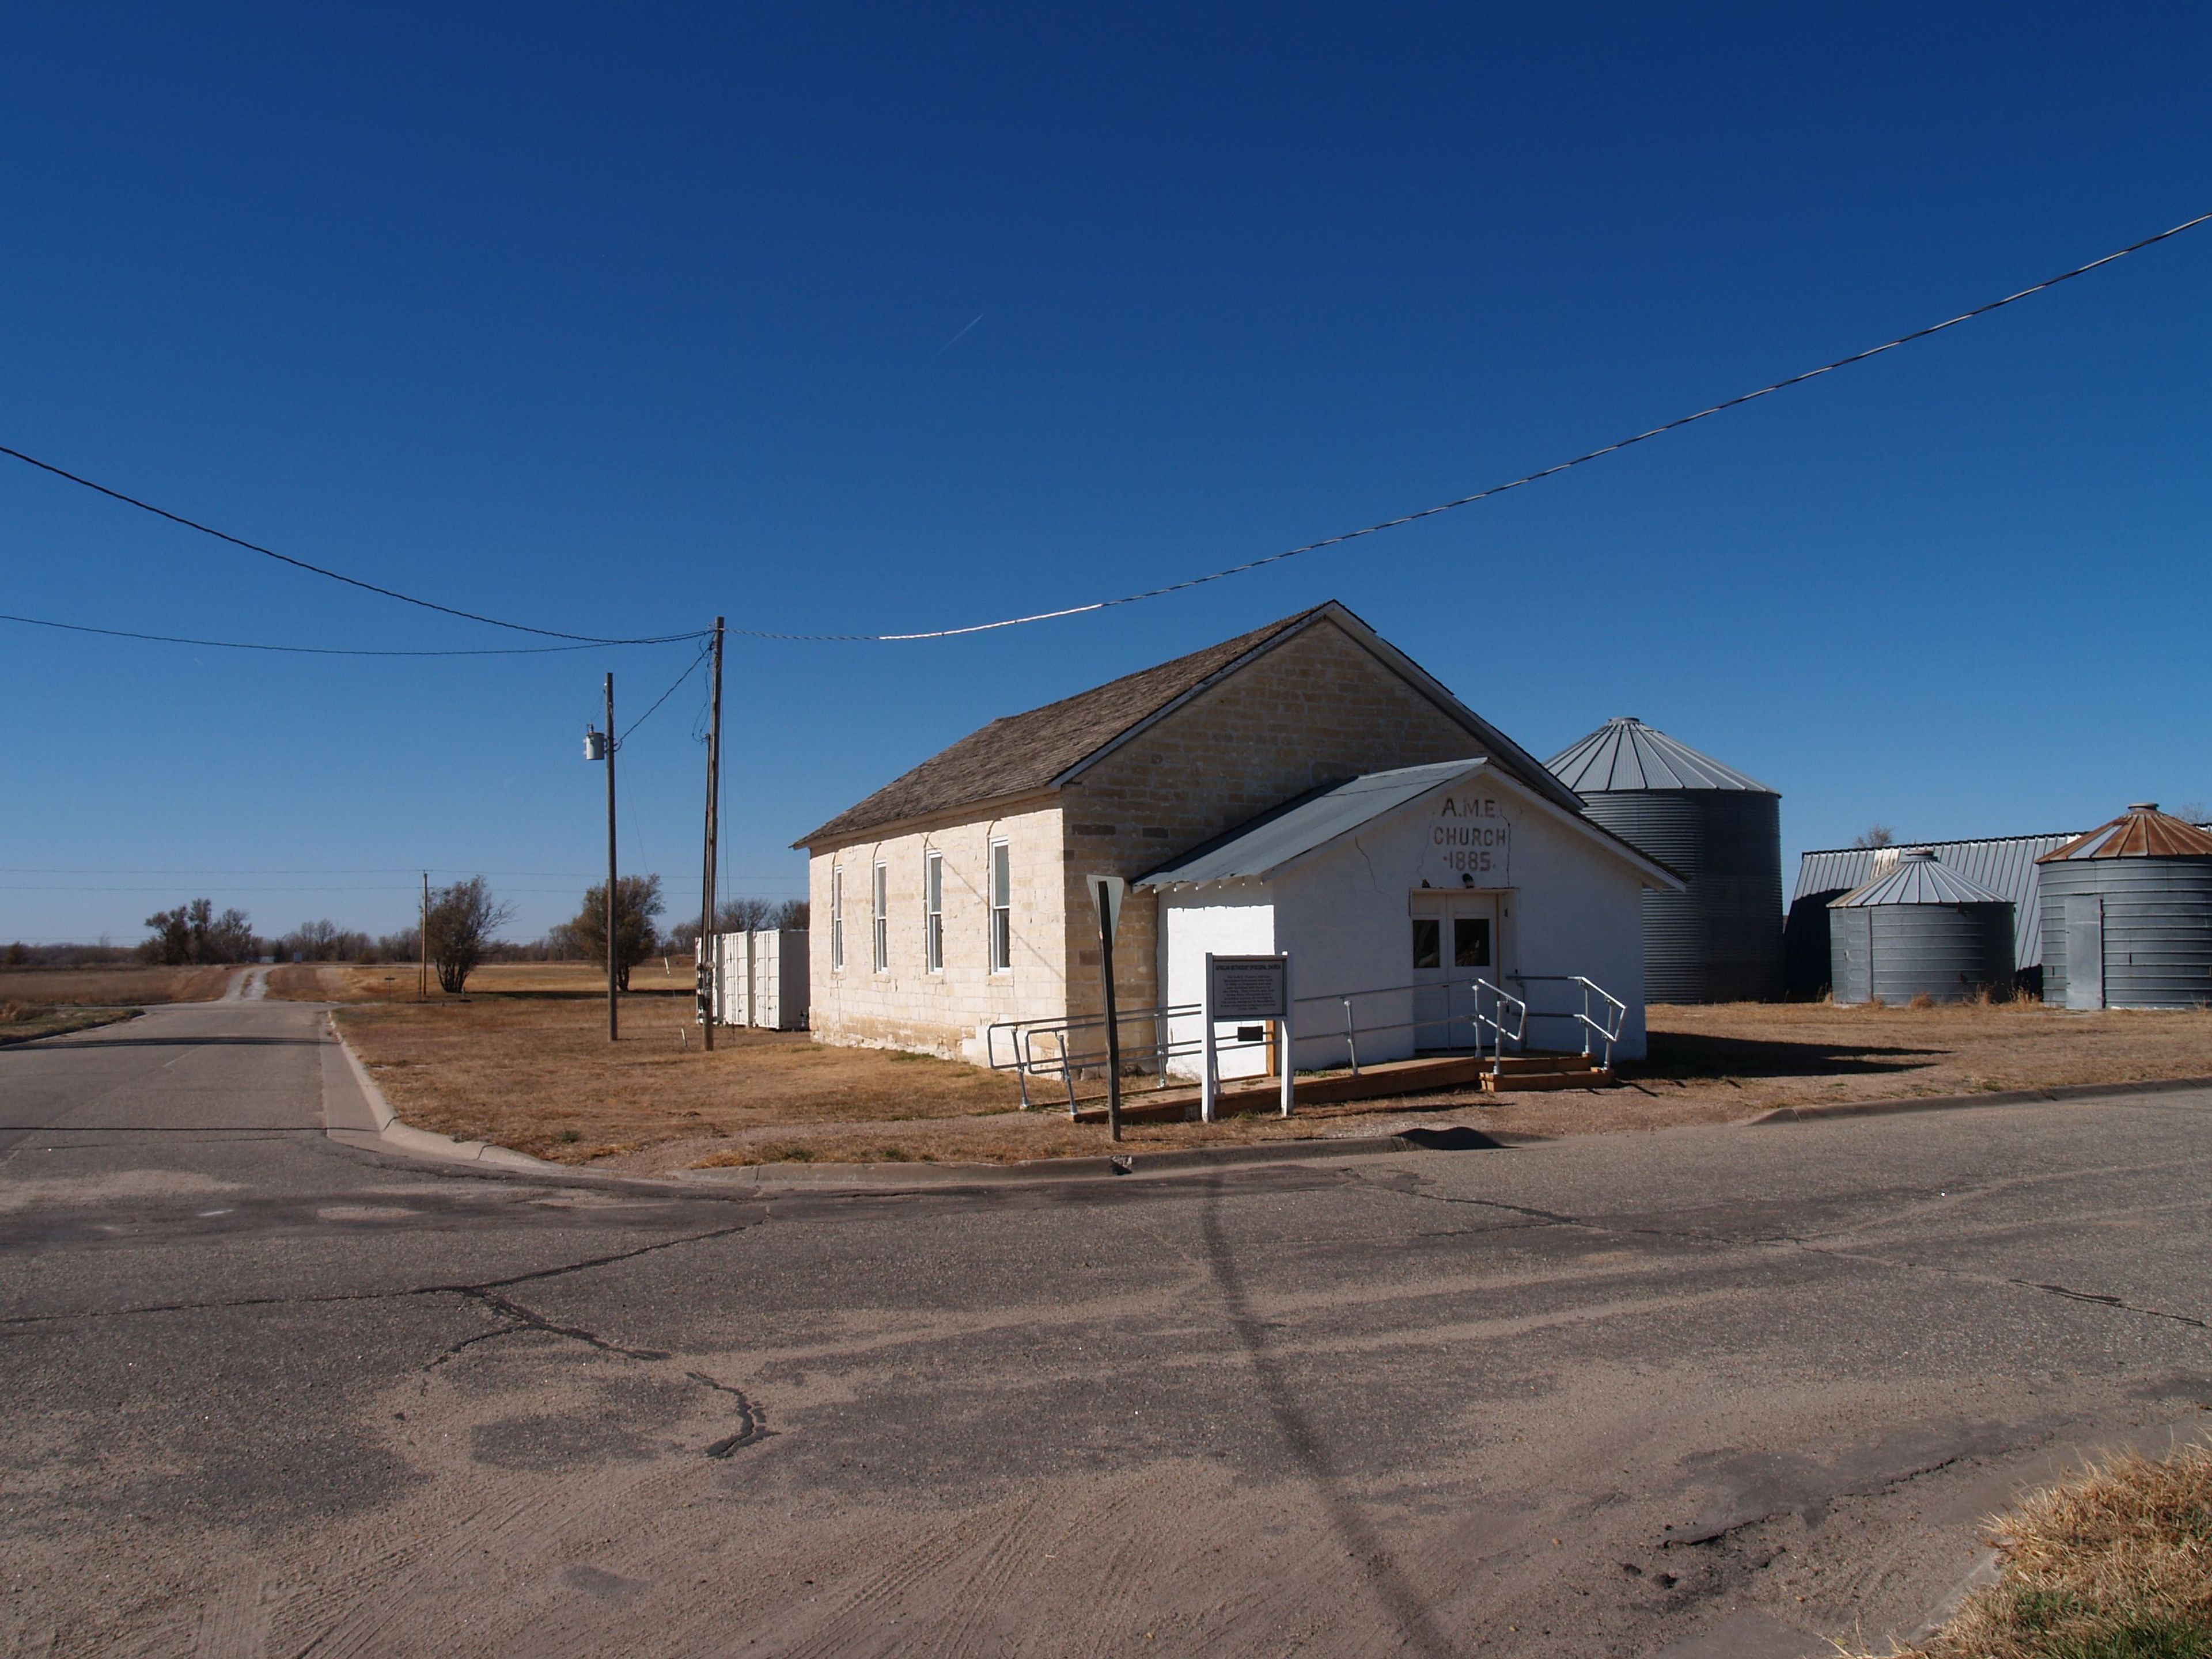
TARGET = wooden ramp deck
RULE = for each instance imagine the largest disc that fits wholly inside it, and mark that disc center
(1377, 1082)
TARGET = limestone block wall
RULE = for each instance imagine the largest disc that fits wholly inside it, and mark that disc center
(944, 1012)
(1318, 709)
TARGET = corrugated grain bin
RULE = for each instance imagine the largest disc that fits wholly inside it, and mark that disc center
(1920, 930)
(2127, 915)
(1720, 939)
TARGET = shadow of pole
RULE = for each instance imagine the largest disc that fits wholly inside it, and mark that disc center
(1415, 1621)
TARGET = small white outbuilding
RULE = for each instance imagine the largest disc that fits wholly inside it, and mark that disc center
(1397, 889)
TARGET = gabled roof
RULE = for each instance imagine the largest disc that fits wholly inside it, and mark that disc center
(1919, 878)
(1626, 754)
(2141, 832)
(1259, 848)
(1290, 832)
(1045, 748)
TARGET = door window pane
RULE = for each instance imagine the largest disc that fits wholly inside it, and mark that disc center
(1428, 941)
(1471, 941)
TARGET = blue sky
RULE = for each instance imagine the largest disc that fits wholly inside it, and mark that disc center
(609, 319)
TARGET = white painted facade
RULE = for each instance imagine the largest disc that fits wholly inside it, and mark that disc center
(1527, 888)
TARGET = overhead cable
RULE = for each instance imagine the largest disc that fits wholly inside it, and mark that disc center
(1495, 489)
(689, 669)
(322, 570)
(1338, 540)
(335, 650)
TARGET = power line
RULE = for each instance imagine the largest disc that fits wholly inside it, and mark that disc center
(331, 650)
(579, 641)
(1495, 489)
(319, 570)
(689, 669)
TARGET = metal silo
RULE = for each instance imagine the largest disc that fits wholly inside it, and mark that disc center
(2127, 915)
(1919, 931)
(1720, 939)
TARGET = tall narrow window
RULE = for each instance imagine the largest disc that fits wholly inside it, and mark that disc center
(882, 918)
(836, 920)
(932, 911)
(1002, 909)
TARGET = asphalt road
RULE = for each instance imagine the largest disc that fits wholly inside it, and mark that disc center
(1718, 1391)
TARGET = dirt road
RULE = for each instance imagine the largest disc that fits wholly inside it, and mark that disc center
(1740, 1387)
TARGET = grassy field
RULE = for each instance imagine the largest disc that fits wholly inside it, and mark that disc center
(27, 1021)
(308, 982)
(2117, 1565)
(92, 987)
(524, 1061)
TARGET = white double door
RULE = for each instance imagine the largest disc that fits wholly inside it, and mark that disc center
(1454, 941)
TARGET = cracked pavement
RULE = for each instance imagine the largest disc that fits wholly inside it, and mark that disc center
(1711, 1391)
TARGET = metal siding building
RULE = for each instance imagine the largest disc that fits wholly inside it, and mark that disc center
(1919, 931)
(2127, 916)
(1720, 939)
(2005, 865)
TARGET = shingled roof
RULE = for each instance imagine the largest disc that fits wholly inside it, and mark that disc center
(1022, 754)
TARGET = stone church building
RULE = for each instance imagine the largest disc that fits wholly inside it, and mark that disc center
(953, 897)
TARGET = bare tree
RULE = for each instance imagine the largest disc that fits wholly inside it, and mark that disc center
(192, 935)
(1875, 835)
(637, 902)
(325, 941)
(462, 919)
(792, 913)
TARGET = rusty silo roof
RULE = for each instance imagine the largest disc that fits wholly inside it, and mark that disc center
(2141, 832)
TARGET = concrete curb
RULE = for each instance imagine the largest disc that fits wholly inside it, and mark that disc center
(876, 1177)
(2063, 1091)
(385, 1133)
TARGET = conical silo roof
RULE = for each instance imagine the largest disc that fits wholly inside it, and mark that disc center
(1919, 878)
(1626, 754)
(2141, 832)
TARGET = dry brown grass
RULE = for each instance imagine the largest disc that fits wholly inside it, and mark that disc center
(1798, 1053)
(98, 986)
(311, 982)
(2117, 1565)
(27, 1021)
(523, 1060)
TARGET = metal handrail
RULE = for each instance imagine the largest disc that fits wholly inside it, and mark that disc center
(1497, 1022)
(1066, 1060)
(1499, 1017)
(1607, 1030)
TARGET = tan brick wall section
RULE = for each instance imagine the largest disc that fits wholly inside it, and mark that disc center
(1318, 709)
(909, 1006)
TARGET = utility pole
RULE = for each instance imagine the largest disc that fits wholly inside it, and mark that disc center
(423, 940)
(613, 1019)
(1107, 893)
(710, 955)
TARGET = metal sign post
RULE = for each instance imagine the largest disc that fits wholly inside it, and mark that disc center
(1245, 988)
(1107, 893)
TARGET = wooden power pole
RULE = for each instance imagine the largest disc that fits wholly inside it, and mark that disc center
(422, 941)
(613, 1017)
(710, 955)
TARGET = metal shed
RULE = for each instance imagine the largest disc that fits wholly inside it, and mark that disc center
(2127, 915)
(2003, 864)
(761, 979)
(1919, 931)
(1719, 940)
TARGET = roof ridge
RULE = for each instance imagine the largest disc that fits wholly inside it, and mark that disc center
(1028, 751)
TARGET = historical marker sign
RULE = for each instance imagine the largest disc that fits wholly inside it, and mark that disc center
(1250, 987)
